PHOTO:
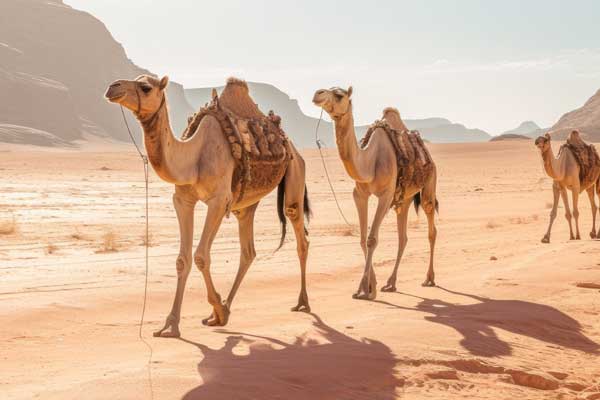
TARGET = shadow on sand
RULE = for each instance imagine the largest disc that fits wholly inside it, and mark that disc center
(325, 364)
(475, 322)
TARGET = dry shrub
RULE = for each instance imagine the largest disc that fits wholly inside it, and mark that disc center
(8, 227)
(492, 225)
(150, 240)
(109, 243)
(77, 235)
(50, 249)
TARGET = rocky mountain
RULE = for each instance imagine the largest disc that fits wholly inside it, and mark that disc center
(301, 128)
(585, 119)
(525, 128)
(55, 64)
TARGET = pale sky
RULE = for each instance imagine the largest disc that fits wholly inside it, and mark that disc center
(486, 64)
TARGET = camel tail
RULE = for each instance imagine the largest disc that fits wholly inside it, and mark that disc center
(417, 202)
(280, 213)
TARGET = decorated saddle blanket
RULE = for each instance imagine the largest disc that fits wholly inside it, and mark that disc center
(412, 158)
(586, 157)
(258, 144)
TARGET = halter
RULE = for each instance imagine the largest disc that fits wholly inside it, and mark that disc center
(148, 122)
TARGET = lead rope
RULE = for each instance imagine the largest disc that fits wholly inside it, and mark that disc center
(319, 145)
(141, 337)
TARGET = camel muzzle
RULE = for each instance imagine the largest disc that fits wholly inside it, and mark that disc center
(114, 92)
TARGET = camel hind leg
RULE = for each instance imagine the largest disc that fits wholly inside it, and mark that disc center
(575, 195)
(429, 202)
(591, 195)
(295, 203)
(402, 222)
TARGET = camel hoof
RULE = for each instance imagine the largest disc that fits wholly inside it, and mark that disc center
(167, 334)
(365, 296)
(593, 235)
(428, 283)
(301, 308)
(388, 288)
(545, 239)
(170, 330)
(218, 318)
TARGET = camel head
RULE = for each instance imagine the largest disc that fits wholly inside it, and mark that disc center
(543, 142)
(144, 95)
(335, 101)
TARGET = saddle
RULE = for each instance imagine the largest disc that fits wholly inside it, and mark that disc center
(259, 146)
(412, 158)
(586, 157)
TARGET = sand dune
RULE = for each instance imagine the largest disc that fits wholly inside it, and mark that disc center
(508, 320)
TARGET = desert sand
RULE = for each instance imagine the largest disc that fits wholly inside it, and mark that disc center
(507, 320)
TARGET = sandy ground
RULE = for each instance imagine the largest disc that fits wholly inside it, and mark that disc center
(72, 280)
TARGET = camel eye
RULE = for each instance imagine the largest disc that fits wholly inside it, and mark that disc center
(338, 96)
(146, 88)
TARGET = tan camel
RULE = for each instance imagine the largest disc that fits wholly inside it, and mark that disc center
(565, 172)
(374, 170)
(201, 167)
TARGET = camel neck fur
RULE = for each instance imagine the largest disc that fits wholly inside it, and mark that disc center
(350, 153)
(552, 165)
(169, 156)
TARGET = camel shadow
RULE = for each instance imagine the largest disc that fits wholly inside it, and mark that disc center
(475, 322)
(324, 364)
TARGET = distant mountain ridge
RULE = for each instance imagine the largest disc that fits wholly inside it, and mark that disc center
(56, 63)
(301, 128)
(585, 119)
(525, 128)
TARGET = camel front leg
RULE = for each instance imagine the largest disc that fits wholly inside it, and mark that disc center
(217, 208)
(429, 208)
(591, 196)
(361, 200)
(565, 199)
(556, 195)
(402, 221)
(367, 289)
(245, 219)
(184, 207)
(575, 194)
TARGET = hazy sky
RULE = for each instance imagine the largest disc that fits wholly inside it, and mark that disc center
(487, 64)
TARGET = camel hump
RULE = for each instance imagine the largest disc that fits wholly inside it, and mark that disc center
(235, 97)
(392, 116)
(575, 138)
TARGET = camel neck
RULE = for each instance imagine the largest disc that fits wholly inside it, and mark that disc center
(349, 151)
(551, 164)
(166, 153)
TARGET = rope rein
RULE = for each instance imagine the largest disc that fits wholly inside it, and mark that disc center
(319, 145)
(140, 335)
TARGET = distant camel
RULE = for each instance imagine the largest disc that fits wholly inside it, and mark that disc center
(202, 167)
(565, 171)
(374, 169)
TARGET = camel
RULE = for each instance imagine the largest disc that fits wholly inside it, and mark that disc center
(374, 170)
(201, 167)
(565, 173)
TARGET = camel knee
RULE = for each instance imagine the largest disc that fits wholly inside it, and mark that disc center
(428, 207)
(182, 265)
(575, 213)
(553, 214)
(291, 211)
(371, 243)
(202, 261)
(568, 215)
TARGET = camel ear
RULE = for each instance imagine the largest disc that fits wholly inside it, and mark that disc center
(164, 82)
(349, 91)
